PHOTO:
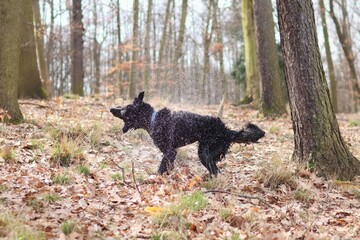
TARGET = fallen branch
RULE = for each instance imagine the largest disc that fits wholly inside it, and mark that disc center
(239, 195)
(123, 174)
(133, 176)
(34, 103)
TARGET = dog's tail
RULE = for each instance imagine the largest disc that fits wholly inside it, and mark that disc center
(250, 133)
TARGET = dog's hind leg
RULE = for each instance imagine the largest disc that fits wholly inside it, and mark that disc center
(167, 163)
(206, 159)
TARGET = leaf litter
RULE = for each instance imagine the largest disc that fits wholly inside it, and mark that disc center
(121, 197)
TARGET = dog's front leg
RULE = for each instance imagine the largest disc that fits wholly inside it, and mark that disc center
(167, 163)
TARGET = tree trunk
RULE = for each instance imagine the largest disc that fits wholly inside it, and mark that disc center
(135, 36)
(96, 52)
(10, 14)
(316, 132)
(330, 64)
(164, 34)
(30, 85)
(147, 46)
(252, 78)
(179, 50)
(220, 51)
(207, 42)
(272, 98)
(40, 51)
(77, 48)
(118, 23)
(343, 33)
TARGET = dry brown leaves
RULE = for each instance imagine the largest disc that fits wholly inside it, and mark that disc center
(106, 204)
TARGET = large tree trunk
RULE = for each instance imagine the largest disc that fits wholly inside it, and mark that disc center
(135, 36)
(328, 57)
(317, 136)
(40, 51)
(343, 32)
(10, 27)
(30, 85)
(272, 98)
(252, 78)
(77, 48)
(147, 46)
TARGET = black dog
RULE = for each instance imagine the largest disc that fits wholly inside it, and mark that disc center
(170, 130)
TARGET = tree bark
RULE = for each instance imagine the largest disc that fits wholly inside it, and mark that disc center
(252, 78)
(77, 48)
(10, 14)
(316, 132)
(135, 36)
(30, 85)
(329, 61)
(96, 52)
(272, 98)
(343, 33)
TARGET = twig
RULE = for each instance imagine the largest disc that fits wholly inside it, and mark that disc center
(33, 103)
(239, 195)
(133, 175)
(123, 173)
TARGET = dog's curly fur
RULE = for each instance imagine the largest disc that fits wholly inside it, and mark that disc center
(171, 130)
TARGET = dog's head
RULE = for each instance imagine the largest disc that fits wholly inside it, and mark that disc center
(134, 115)
(252, 133)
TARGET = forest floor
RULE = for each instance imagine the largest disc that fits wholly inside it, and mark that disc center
(110, 191)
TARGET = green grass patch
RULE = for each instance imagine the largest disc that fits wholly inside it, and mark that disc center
(62, 179)
(66, 152)
(13, 228)
(83, 169)
(302, 195)
(117, 177)
(354, 123)
(51, 198)
(68, 227)
(7, 153)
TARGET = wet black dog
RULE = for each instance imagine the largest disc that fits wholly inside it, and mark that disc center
(171, 130)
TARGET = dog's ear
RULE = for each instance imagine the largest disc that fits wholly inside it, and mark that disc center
(139, 98)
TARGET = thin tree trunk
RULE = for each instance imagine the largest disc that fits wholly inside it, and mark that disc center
(164, 33)
(252, 78)
(207, 42)
(343, 33)
(10, 14)
(77, 48)
(118, 24)
(179, 49)
(135, 36)
(318, 141)
(96, 52)
(272, 99)
(220, 43)
(40, 51)
(147, 46)
(30, 85)
(328, 57)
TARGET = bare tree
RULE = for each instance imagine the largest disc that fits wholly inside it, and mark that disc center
(147, 45)
(10, 57)
(343, 32)
(318, 141)
(272, 98)
(135, 36)
(328, 57)
(30, 85)
(77, 48)
(252, 77)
